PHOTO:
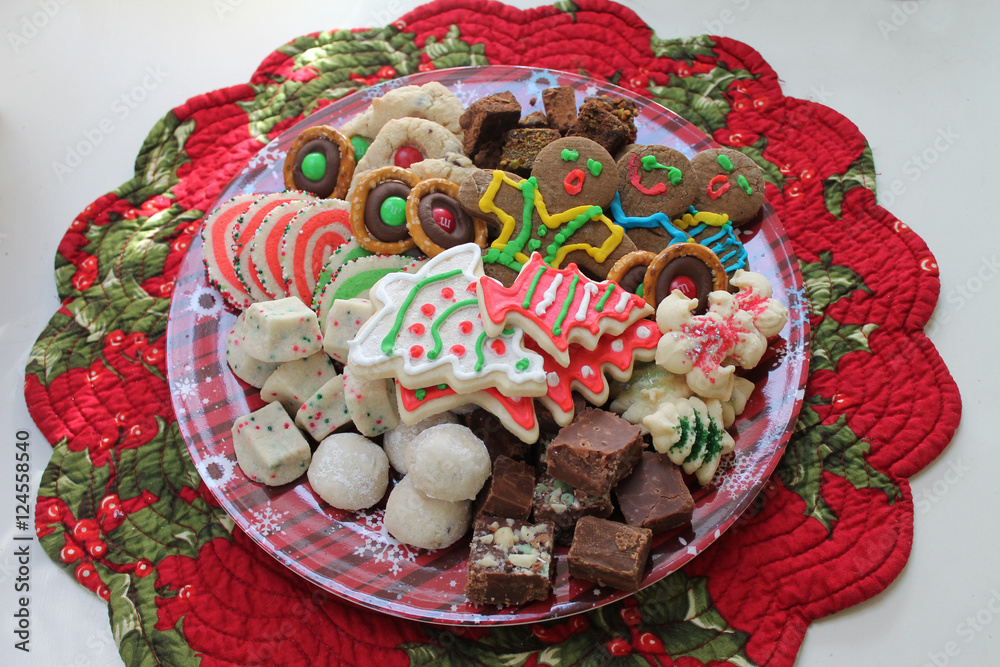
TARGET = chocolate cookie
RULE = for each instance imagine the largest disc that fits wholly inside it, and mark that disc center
(575, 171)
(655, 179)
(728, 182)
(320, 161)
(691, 268)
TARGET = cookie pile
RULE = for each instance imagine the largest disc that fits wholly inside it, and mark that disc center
(533, 325)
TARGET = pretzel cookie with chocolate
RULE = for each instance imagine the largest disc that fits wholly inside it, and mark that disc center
(378, 210)
(436, 220)
(320, 161)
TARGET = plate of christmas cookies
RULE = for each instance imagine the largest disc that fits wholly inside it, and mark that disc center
(489, 345)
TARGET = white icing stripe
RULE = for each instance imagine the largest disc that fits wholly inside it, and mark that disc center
(550, 295)
(589, 290)
(623, 301)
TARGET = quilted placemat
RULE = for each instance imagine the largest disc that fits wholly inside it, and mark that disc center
(123, 509)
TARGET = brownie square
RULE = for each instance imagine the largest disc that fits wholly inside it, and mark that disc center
(655, 496)
(558, 503)
(510, 562)
(487, 119)
(609, 553)
(521, 146)
(595, 452)
(498, 440)
(607, 120)
(509, 492)
(560, 107)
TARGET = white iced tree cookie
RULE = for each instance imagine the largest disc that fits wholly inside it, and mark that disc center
(754, 297)
(707, 348)
(427, 331)
(691, 433)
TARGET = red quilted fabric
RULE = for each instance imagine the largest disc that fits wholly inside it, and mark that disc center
(120, 505)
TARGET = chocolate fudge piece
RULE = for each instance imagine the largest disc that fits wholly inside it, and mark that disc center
(561, 505)
(607, 120)
(487, 119)
(609, 553)
(560, 107)
(510, 562)
(521, 146)
(498, 440)
(596, 451)
(509, 492)
(655, 496)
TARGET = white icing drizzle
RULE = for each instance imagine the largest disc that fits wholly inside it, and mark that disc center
(589, 290)
(623, 301)
(550, 295)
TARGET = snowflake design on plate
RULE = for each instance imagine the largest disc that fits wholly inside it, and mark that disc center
(466, 97)
(267, 521)
(798, 305)
(184, 388)
(380, 89)
(737, 474)
(539, 80)
(197, 302)
(217, 470)
(380, 545)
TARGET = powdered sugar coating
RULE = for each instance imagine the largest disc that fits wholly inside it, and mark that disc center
(349, 471)
(413, 518)
(448, 462)
(397, 441)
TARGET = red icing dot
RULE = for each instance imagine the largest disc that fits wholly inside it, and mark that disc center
(444, 219)
(465, 327)
(573, 183)
(498, 346)
(417, 329)
(406, 155)
(685, 285)
(416, 351)
(458, 350)
(447, 293)
(427, 309)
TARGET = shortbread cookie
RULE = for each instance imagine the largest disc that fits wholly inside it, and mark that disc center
(371, 404)
(349, 471)
(252, 371)
(281, 330)
(264, 255)
(216, 251)
(516, 413)
(431, 101)
(295, 381)
(355, 278)
(269, 448)
(325, 411)
(243, 237)
(414, 519)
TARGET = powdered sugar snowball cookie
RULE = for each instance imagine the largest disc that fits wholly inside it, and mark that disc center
(349, 471)
(419, 521)
(431, 101)
(403, 141)
(397, 441)
(448, 462)
(252, 371)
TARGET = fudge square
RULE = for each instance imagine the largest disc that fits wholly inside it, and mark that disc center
(281, 330)
(609, 553)
(510, 562)
(655, 496)
(269, 447)
(596, 451)
(508, 493)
